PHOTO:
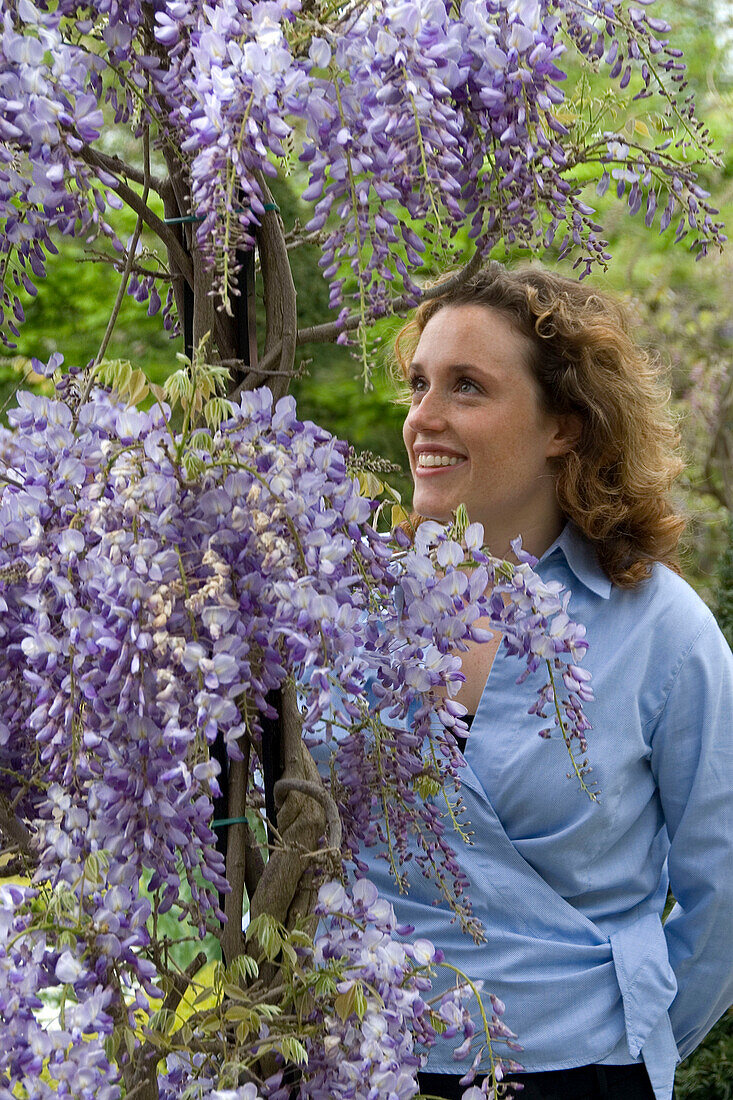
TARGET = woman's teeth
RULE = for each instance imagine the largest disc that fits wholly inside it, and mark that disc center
(438, 460)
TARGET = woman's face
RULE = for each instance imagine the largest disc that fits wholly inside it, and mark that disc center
(476, 433)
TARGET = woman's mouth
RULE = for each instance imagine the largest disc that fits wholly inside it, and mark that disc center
(429, 461)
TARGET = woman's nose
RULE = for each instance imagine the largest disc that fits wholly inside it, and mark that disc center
(427, 414)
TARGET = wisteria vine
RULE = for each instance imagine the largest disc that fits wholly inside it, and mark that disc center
(411, 120)
(154, 590)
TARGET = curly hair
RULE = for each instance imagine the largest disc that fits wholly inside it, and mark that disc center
(615, 482)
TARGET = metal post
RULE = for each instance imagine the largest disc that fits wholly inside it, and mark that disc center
(245, 305)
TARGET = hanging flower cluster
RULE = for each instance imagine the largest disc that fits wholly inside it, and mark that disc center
(49, 1060)
(417, 118)
(154, 588)
(370, 1024)
(384, 1014)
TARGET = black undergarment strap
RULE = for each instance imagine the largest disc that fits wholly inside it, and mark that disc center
(461, 741)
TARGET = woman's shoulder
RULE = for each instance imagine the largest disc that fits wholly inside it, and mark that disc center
(669, 606)
(666, 589)
(661, 601)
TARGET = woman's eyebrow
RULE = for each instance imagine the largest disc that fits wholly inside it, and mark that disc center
(456, 368)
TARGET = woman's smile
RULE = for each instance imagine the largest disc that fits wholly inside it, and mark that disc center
(435, 459)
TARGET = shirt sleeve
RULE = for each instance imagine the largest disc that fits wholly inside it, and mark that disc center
(692, 758)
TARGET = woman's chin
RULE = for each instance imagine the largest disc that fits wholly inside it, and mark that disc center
(428, 511)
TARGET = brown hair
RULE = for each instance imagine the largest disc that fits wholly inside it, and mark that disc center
(615, 482)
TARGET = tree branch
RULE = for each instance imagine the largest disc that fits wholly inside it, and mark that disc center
(96, 257)
(294, 240)
(231, 938)
(14, 828)
(128, 264)
(116, 166)
(281, 316)
(180, 260)
(133, 200)
(321, 795)
(330, 331)
(286, 888)
(6, 479)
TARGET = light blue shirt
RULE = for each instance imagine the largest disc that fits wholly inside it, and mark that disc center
(571, 892)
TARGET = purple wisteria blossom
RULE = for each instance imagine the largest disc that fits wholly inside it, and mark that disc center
(412, 118)
(145, 613)
(67, 1060)
(387, 1019)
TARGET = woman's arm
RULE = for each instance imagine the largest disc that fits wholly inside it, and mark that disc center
(692, 759)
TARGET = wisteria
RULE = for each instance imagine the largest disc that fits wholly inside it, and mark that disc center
(388, 981)
(179, 584)
(155, 590)
(411, 119)
(49, 1060)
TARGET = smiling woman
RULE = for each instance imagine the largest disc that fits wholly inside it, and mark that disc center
(477, 432)
(531, 404)
(570, 347)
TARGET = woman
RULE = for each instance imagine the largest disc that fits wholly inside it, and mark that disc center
(531, 404)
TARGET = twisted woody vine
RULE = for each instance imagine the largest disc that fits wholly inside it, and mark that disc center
(186, 569)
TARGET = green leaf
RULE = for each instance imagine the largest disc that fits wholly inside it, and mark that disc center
(235, 992)
(193, 465)
(289, 954)
(269, 934)
(200, 440)
(124, 376)
(206, 993)
(162, 1021)
(301, 939)
(426, 786)
(112, 1045)
(460, 523)
(129, 1037)
(244, 967)
(437, 1023)
(159, 1039)
(184, 1035)
(217, 410)
(360, 1002)
(325, 984)
(138, 388)
(351, 1001)
(246, 1018)
(243, 1031)
(178, 387)
(369, 484)
(211, 1024)
(294, 1051)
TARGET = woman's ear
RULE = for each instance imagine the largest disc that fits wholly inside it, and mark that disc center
(568, 430)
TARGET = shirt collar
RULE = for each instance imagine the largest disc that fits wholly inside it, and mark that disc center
(581, 559)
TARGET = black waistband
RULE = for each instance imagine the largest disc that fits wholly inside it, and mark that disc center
(580, 1083)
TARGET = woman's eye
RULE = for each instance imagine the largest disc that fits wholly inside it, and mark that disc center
(416, 383)
(467, 386)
